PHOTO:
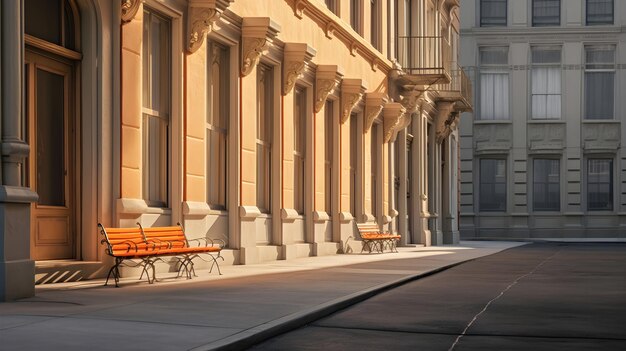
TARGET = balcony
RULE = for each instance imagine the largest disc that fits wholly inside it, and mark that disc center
(424, 59)
(458, 90)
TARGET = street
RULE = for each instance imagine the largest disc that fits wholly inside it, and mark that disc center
(543, 296)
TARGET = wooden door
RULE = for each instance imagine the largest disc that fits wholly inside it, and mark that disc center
(50, 98)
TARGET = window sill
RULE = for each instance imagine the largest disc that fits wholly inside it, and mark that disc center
(591, 121)
(493, 121)
(546, 121)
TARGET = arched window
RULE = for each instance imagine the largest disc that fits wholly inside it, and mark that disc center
(52, 20)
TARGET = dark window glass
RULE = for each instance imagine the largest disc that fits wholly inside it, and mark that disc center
(42, 19)
(599, 12)
(546, 185)
(546, 12)
(50, 138)
(493, 13)
(600, 184)
(492, 191)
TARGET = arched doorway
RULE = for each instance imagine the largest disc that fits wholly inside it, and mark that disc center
(51, 80)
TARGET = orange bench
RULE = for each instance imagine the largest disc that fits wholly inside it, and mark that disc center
(375, 239)
(148, 245)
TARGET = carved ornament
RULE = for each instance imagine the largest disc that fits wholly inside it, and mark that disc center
(129, 9)
(412, 101)
(257, 34)
(445, 121)
(374, 103)
(393, 114)
(327, 78)
(298, 8)
(202, 15)
(351, 93)
(296, 58)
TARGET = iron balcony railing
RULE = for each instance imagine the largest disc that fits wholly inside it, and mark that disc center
(460, 85)
(423, 55)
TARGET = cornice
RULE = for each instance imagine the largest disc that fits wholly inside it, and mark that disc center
(327, 78)
(351, 93)
(257, 33)
(334, 27)
(297, 57)
(201, 16)
(374, 103)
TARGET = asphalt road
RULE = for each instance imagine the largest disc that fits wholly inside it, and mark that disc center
(543, 296)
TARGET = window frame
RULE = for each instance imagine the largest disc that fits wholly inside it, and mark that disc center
(493, 69)
(611, 183)
(356, 16)
(505, 183)
(558, 66)
(299, 139)
(481, 10)
(587, 71)
(588, 23)
(535, 24)
(264, 138)
(164, 176)
(547, 183)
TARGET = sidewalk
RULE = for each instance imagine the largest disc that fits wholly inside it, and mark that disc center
(243, 306)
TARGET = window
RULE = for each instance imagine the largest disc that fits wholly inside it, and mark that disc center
(494, 83)
(546, 185)
(492, 191)
(493, 13)
(265, 113)
(599, 12)
(52, 21)
(355, 16)
(546, 13)
(328, 154)
(353, 162)
(600, 184)
(156, 107)
(599, 82)
(546, 83)
(299, 150)
(217, 125)
(375, 24)
(375, 165)
(332, 5)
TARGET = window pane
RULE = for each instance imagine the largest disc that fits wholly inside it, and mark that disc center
(494, 56)
(546, 185)
(493, 13)
(599, 90)
(599, 184)
(599, 12)
(299, 120)
(42, 19)
(546, 12)
(50, 138)
(492, 185)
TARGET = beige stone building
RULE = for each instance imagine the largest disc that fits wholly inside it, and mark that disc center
(275, 125)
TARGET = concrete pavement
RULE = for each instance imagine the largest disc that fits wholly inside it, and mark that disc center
(244, 306)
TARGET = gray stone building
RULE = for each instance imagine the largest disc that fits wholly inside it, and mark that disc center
(542, 155)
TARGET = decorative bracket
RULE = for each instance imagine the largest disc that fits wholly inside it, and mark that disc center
(296, 58)
(257, 34)
(351, 93)
(327, 78)
(202, 14)
(393, 117)
(374, 103)
(412, 100)
(129, 9)
(443, 120)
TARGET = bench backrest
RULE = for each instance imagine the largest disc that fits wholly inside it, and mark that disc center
(123, 239)
(173, 237)
(368, 228)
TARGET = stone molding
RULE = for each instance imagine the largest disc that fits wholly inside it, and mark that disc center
(297, 57)
(129, 9)
(257, 33)
(201, 16)
(249, 212)
(320, 216)
(393, 114)
(351, 93)
(327, 78)
(374, 103)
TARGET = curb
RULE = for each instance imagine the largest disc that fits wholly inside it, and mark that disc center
(262, 332)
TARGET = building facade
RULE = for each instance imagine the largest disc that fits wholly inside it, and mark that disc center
(275, 128)
(542, 154)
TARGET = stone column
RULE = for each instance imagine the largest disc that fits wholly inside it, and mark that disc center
(17, 270)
